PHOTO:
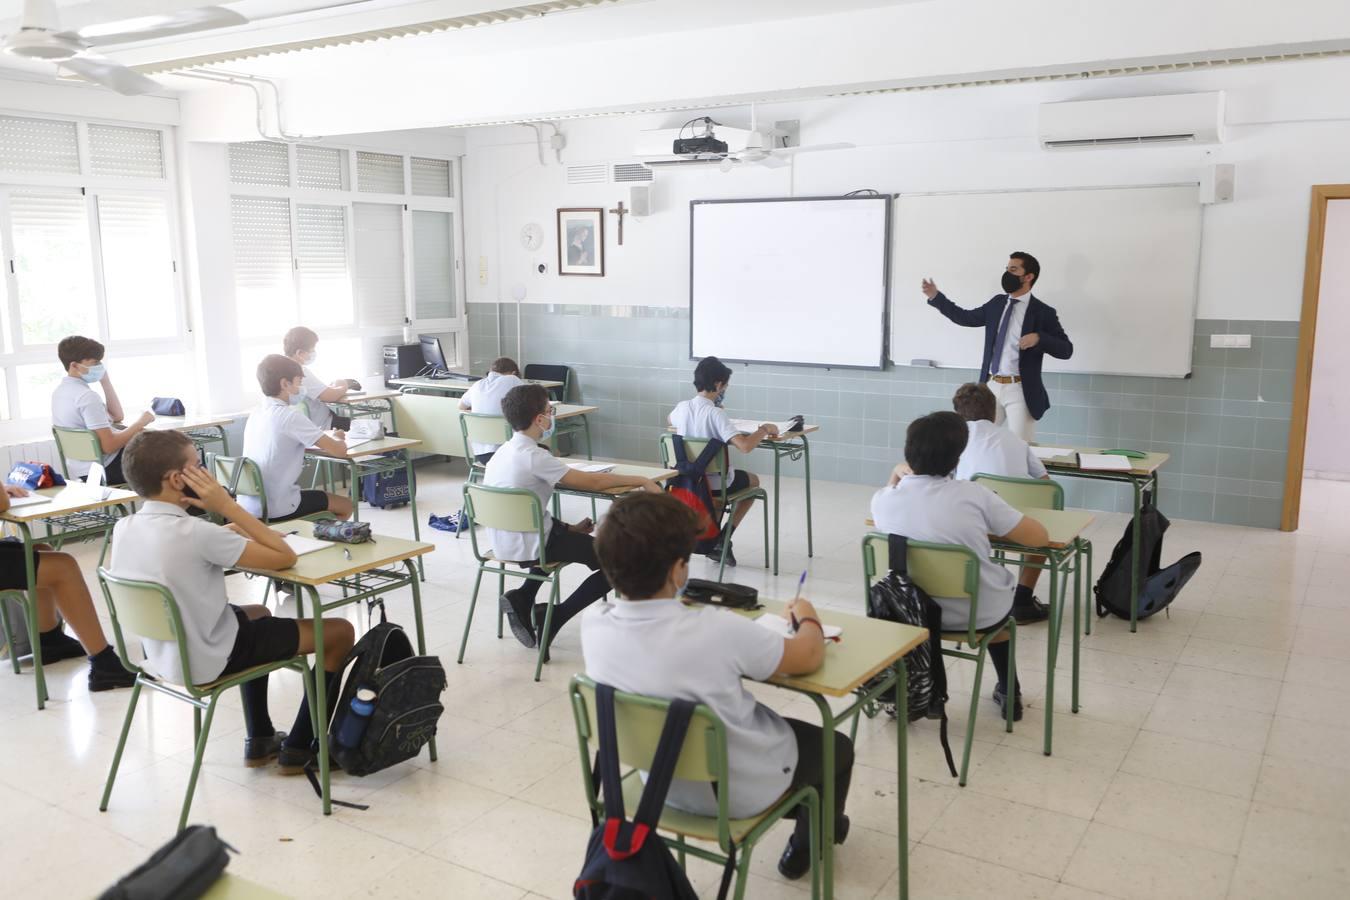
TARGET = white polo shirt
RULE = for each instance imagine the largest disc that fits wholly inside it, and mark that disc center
(521, 463)
(699, 417)
(316, 409)
(188, 555)
(995, 450)
(276, 437)
(666, 649)
(1009, 359)
(76, 405)
(946, 511)
(485, 398)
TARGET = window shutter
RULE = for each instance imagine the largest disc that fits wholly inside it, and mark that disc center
(379, 285)
(259, 162)
(264, 286)
(431, 177)
(321, 258)
(53, 265)
(433, 265)
(126, 152)
(320, 168)
(138, 277)
(45, 146)
(379, 173)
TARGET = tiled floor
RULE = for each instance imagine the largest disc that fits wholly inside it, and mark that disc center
(1209, 758)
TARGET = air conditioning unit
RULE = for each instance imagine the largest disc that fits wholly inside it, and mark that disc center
(1169, 118)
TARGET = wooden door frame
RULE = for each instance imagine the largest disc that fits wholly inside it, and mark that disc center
(1307, 334)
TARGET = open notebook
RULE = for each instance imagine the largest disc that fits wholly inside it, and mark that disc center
(1051, 452)
(747, 426)
(30, 500)
(302, 545)
(591, 467)
(779, 625)
(1104, 462)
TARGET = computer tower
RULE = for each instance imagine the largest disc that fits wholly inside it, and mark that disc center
(401, 361)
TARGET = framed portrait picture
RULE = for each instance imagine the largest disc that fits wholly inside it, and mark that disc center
(581, 241)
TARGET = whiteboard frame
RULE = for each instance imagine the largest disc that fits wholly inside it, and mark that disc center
(888, 199)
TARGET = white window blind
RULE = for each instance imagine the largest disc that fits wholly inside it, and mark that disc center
(263, 284)
(321, 260)
(138, 276)
(259, 162)
(320, 168)
(379, 284)
(43, 146)
(53, 265)
(125, 152)
(379, 173)
(433, 265)
(431, 177)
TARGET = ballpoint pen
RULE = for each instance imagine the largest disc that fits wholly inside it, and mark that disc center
(793, 616)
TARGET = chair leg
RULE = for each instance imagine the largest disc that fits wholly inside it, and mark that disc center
(9, 633)
(1010, 703)
(197, 761)
(679, 849)
(743, 871)
(813, 809)
(468, 621)
(974, 709)
(765, 504)
(121, 744)
(501, 589)
(196, 724)
(543, 640)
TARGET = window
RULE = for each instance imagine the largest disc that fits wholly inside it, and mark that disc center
(263, 285)
(260, 162)
(431, 177)
(379, 265)
(433, 265)
(138, 267)
(320, 168)
(379, 173)
(125, 152)
(321, 263)
(53, 265)
(39, 146)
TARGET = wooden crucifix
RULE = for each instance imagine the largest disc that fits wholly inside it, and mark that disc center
(620, 212)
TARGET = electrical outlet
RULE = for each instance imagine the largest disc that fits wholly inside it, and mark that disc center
(1230, 341)
(482, 270)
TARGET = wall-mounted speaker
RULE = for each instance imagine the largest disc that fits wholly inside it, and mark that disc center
(640, 199)
(1216, 183)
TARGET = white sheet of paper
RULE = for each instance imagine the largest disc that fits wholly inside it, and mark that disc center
(357, 441)
(592, 467)
(1105, 462)
(302, 545)
(369, 429)
(779, 625)
(746, 426)
(1051, 452)
(30, 500)
(97, 475)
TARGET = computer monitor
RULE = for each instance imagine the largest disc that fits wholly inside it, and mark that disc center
(432, 354)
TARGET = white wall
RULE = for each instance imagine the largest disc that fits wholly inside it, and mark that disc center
(1329, 405)
(1286, 131)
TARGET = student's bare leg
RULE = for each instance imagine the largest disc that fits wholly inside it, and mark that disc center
(340, 506)
(61, 586)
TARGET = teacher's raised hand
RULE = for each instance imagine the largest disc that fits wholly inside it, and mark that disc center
(930, 289)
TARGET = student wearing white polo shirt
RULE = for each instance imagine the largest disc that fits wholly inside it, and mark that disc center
(522, 463)
(75, 405)
(930, 505)
(484, 397)
(701, 417)
(188, 555)
(276, 437)
(649, 642)
(300, 344)
(995, 450)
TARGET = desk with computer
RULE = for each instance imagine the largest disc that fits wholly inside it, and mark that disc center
(424, 361)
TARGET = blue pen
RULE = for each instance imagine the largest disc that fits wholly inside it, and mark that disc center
(800, 582)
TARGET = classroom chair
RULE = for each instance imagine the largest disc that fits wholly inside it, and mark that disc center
(20, 597)
(638, 720)
(509, 509)
(80, 444)
(948, 570)
(144, 609)
(480, 428)
(730, 503)
(568, 427)
(1024, 493)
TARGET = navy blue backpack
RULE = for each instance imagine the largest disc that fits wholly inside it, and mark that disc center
(690, 487)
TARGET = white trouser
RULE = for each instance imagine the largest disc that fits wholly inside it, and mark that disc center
(1012, 409)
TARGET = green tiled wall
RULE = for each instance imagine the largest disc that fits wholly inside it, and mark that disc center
(1226, 426)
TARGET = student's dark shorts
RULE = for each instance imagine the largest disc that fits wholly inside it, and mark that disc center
(311, 502)
(259, 641)
(484, 458)
(341, 423)
(739, 483)
(13, 573)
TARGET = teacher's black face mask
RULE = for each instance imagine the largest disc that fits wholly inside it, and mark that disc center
(1011, 282)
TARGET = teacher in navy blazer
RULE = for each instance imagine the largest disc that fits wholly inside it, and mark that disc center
(1018, 331)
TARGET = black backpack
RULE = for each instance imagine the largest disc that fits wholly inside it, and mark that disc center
(691, 488)
(629, 860)
(1158, 587)
(896, 598)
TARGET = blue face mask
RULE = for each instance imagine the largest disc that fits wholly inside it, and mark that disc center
(95, 374)
(548, 432)
(297, 398)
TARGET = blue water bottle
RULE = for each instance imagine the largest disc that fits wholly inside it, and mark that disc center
(354, 726)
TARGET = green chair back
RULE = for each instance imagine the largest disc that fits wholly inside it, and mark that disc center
(942, 570)
(638, 720)
(242, 476)
(480, 428)
(78, 444)
(505, 509)
(433, 420)
(146, 610)
(1024, 493)
(692, 448)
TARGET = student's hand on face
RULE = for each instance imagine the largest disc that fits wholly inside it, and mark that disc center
(14, 490)
(585, 526)
(1028, 341)
(146, 418)
(211, 496)
(930, 289)
(900, 471)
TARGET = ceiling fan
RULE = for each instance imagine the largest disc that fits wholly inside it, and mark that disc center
(40, 37)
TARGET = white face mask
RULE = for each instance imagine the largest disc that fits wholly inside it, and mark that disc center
(297, 398)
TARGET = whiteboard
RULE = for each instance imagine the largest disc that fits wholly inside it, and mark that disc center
(1119, 265)
(801, 281)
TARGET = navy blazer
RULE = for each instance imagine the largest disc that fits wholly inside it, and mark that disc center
(1039, 319)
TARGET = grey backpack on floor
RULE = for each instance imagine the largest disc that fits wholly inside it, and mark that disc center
(18, 626)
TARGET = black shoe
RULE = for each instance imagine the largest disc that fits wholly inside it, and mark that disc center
(796, 862)
(293, 760)
(538, 613)
(517, 608)
(57, 645)
(106, 672)
(1030, 611)
(259, 751)
(1001, 700)
(715, 554)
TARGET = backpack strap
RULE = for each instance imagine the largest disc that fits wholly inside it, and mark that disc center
(607, 761)
(899, 552)
(662, 772)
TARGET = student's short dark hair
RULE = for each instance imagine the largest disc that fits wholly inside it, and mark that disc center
(522, 404)
(709, 371)
(1030, 264)
(640, 538)
(505, 365)
(297, 339)
(150, 456)
(933, 443)
(77, 349)
(273, 369)
(974, 402)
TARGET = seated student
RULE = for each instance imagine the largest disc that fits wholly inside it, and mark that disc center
(75, 405)
(276, 437)
(61, 586)
(649, 642)
(929, 505)
(188, 555)
(522, 463)
(299, 344)
(996, 450)
(703, 417)
(485, 397)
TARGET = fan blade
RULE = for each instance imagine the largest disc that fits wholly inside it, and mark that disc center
(813, 148)
(110, 74)
(772, 161)
(145, 28)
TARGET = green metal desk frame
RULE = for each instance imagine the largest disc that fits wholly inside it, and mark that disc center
(375, 465)
(793, 447)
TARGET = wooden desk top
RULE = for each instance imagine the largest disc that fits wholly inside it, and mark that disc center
(569, 410)
(380, 393)
(330, 564)
(808, 429)
(73, 498)
(642, 470)
(1063, 524)
(371, 448)
(187, 423)
(457, 384)
(1139, 467)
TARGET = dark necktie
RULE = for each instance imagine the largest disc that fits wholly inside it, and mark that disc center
(997, 358)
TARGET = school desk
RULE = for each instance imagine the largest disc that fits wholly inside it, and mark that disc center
(202, 430)
(371, 404)
(456, 386)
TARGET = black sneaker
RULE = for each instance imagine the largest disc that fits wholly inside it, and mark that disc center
(57, 645)
(715, 554)
(1030, 611)
(517, 608)
(1002, 699)
(106, 672)
(293, 760)
(796, 861)
(259, 751)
